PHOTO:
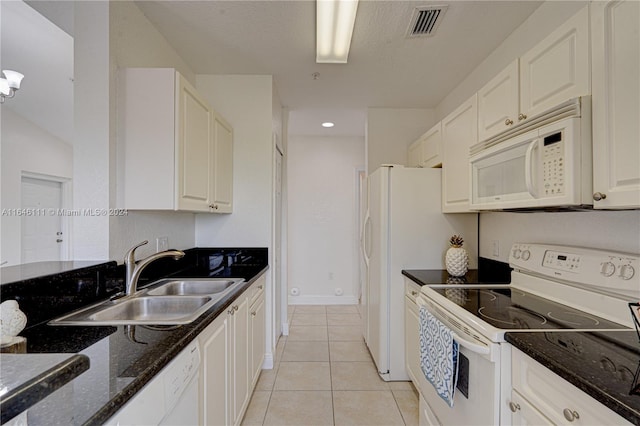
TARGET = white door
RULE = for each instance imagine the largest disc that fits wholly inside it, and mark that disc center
(41, 229)
(278, 247)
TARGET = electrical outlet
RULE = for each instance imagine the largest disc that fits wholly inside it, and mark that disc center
(162, 244)
(495, 244)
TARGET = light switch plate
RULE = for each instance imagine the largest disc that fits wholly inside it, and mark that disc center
(162, 244)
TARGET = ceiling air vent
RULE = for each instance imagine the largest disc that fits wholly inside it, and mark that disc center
(425, 21)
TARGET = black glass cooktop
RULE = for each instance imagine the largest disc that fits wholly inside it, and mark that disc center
(513, 309)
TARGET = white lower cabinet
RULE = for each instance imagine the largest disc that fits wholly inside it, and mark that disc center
(257, 330)
(229, 346)
(426, 416)
(412, 331)
(539, 396)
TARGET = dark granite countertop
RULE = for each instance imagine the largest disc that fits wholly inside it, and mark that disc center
(488, 272)
(603, 364)
(124, 358)
(27, 271)
(26, 379)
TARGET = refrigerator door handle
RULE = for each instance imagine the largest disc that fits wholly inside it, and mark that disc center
(366, 230)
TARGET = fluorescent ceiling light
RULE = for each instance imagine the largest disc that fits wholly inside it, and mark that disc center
(327, 124)
(334, 27)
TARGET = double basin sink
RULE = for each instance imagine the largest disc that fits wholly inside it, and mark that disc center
(164, 302)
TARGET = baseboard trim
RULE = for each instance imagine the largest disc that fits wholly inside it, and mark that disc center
(267, 364)
(323, 300)
(285, 328)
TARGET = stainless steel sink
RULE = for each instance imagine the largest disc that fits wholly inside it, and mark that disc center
(165, 302)
(192, 286)
(152, 309)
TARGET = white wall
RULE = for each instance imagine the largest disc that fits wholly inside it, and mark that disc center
(322, 216)
(244, 101)
(247, 102)
(389, 132)
(135, 42)
(608, 230)
(26, 147)
(611, 230)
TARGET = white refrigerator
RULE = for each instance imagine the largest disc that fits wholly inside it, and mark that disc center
(403, 229)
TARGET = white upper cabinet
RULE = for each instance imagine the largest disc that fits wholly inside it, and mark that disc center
(499, 103)
(557, 68)
(431, 143)
(427, 150)
(459, 132)
(616, 104)
(174, 152)
(222, 172)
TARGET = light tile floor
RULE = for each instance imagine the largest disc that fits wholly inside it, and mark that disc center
(324, 375)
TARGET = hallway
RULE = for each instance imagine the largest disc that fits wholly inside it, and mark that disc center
(324, 375)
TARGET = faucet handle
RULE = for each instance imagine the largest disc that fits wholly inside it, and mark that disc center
(130, 253)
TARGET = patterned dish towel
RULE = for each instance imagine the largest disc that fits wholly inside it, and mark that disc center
(438, 355)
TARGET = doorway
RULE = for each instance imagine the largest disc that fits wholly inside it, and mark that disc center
(43, 220)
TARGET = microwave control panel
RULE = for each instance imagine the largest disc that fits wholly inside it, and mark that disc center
(553, 164)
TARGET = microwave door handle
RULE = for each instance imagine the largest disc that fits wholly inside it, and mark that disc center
(528, 168)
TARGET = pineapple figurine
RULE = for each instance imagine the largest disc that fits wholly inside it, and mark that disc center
(456, 259)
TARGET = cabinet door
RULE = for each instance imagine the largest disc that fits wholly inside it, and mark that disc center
(459, 132)
(432, 147)
(524, 414)
(616, 103)
(214, 374)
(240, 355)
(222, 170)
(557, 69)
(412, 340)
(257, 326)
(414, 154)
(499, 103)
(194, 141)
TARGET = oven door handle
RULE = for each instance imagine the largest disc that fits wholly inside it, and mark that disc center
(472, 346)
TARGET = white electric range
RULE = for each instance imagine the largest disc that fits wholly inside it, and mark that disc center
(553, 288)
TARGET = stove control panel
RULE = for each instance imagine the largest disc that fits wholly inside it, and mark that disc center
(609, 271)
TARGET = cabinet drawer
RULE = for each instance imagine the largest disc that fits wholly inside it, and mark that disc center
(412, 290)
(256, 291)
(556, 398)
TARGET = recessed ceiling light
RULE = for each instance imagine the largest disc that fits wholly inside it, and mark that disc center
(327, 124)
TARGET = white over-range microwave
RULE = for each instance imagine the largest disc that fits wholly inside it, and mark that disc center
(543, 163)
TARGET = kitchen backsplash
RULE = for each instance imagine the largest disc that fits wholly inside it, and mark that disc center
(609, 230)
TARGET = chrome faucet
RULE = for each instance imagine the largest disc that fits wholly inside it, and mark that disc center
(135, 269)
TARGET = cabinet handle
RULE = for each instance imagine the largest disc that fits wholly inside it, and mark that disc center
(514, 407)
(508, 122)
(597, 196)
(414, 293)
(213, 206)
(230, 311)
(253, 314)
(260, 286)
(235, 308)
(522, 116)
(570, 415)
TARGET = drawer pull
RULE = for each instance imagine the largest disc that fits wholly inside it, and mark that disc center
(260, 287)
(253, 314)
(514, 407)
(570, 415)
(230, 311)
(235, 308)
(414, 293)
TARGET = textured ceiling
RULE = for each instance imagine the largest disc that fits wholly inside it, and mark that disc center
(385, 68)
